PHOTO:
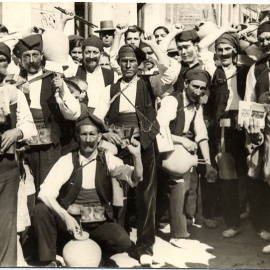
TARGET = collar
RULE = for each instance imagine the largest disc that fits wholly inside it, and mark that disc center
(187, 102)
(84, 160)
(32, 76)
(135, 78)
(96, 72)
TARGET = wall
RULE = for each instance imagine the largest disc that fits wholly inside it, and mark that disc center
(117, 12)
(21, 15)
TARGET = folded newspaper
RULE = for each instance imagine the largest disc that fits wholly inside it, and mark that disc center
(251, 109)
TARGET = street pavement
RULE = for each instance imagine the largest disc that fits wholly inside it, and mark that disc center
(206, 248)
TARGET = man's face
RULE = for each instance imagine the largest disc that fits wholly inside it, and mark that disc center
(89, 138)
(133, 38)
(225, 53)
(160, 34)
(105, 62)
(129, 66)
(264, 41)
(195, 89)
(187, 51)
(149, 63)
(91, 56)
(107, 38)
(3, 67)
(31, 61)
(76, 55)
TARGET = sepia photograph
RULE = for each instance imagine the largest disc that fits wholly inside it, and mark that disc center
(135, 135)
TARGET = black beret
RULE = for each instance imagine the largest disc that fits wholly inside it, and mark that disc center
(32, 42)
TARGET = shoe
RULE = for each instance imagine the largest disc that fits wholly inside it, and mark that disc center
(266, 249)
(210, 223)
(190, 221)
(177, 242)
(167, 228)
(231, 232)
(264, 235)
(54, 264)
(146, 260)
(244, 215)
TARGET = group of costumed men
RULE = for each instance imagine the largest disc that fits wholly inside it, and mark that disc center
(196, 99)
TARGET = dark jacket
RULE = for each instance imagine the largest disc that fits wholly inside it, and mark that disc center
(219, 92)
(262, 80)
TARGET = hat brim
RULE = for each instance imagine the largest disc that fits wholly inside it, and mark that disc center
(104, 29)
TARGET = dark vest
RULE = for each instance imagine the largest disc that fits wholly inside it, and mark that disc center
(11, 119)
(108, 75)
(103, 184)
(179, 85)
(178, 124)
(219, 92)
(262, 79)
(50, 109)
(145, 103)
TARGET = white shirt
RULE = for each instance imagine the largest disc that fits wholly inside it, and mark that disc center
(168, 112)
(160, 84)
(63, 168)
(24, 119)
(234, 98)
(69, 105)
(208, 63)
(35, 90)
(250, 94)
(96, 86)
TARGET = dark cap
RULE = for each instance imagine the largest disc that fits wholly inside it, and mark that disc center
(88, 118)
(132, 49)
(5, 50)
(75, 37)
(94, 41)
(190, 35)
(32, 42)
(264, 27)
(198, 74)
(229, 38)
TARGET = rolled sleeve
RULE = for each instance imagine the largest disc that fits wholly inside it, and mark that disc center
(167, 111)
(25, 120)
(114, 64)
(57, 177)
(200, 127)
(119, 170)
(166, 78)
(207, 59)
(250, 94)
(71, 109)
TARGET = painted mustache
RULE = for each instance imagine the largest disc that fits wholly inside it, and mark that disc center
(89, 60)
(226, 57)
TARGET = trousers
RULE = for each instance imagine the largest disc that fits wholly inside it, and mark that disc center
(9, 184)
(146, 192)
(50, 230)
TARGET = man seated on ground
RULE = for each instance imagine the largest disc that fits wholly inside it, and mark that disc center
(86, 179)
